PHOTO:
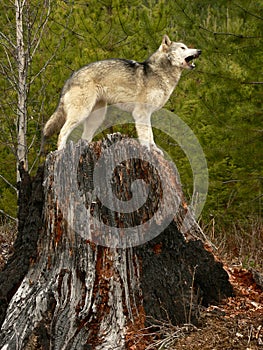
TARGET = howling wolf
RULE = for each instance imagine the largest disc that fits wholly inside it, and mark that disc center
(138, 87)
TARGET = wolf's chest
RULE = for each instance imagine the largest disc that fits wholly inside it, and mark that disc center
(159, 96)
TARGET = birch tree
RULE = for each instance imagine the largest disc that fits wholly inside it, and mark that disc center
(22, 57)
(20, 39)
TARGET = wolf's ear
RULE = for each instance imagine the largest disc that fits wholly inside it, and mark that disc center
(166, 42)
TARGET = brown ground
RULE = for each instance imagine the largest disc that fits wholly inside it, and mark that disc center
(235, 324)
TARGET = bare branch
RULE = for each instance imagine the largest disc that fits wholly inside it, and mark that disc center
(10, 76)
(40, 30)
(8, 40)
(252, 82)
(53, 55)
(8, 183)
(42, 69)
(8, 216)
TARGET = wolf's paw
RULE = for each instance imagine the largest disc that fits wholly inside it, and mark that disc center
(156, 149)
(152, 147)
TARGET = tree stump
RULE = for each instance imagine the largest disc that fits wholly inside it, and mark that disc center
(106, 245)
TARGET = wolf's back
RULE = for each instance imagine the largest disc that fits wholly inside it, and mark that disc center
(55, 122)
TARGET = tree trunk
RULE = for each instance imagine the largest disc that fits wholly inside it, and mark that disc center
(22, 91)
(100, 253)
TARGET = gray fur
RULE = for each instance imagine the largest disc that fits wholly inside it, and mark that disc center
(140, 88)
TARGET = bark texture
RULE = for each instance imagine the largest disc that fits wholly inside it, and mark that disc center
(22, 88)
(87, 276)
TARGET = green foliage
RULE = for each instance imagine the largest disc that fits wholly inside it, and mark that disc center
(218, 100)
(221, 106)
(8, 201)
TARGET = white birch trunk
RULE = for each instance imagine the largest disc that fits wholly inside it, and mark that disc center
(22, 91)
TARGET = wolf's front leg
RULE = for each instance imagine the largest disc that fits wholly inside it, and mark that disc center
(144, 129)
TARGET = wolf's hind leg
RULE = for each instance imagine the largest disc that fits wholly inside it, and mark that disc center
(75, 117)
(78, 103)
(94, 120)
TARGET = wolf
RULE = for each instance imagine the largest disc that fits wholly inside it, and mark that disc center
(137, 87)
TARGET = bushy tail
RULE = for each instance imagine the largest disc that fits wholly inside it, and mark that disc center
(55, 122)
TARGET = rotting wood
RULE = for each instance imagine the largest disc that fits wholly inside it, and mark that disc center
(76, 294)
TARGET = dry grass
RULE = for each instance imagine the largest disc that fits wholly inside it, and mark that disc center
(8, 232)
(167, 335)
(240, 244)
(237, 322)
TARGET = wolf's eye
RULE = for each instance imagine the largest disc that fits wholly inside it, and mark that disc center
(183, 48)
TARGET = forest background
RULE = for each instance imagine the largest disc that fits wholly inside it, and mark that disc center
(221, 100)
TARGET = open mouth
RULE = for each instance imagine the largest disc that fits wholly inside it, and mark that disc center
(189, 60)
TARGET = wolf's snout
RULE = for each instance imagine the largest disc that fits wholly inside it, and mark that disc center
(188, 60)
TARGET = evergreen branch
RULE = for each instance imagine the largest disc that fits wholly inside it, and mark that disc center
(71, 31)
(240, 36)
(56, 50)
(250, 13)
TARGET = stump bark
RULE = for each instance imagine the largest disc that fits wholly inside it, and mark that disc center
(99, 257)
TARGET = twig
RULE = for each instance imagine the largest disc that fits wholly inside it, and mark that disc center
(192, 295)
(9, 183)
(241, 36)
(8, 216)
(252, 82)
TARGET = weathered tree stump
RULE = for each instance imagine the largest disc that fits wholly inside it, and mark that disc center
(100, 250)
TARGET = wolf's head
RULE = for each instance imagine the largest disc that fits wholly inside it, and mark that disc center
(179, 54)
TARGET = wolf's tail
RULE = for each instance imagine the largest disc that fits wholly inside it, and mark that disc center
(55, 122)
